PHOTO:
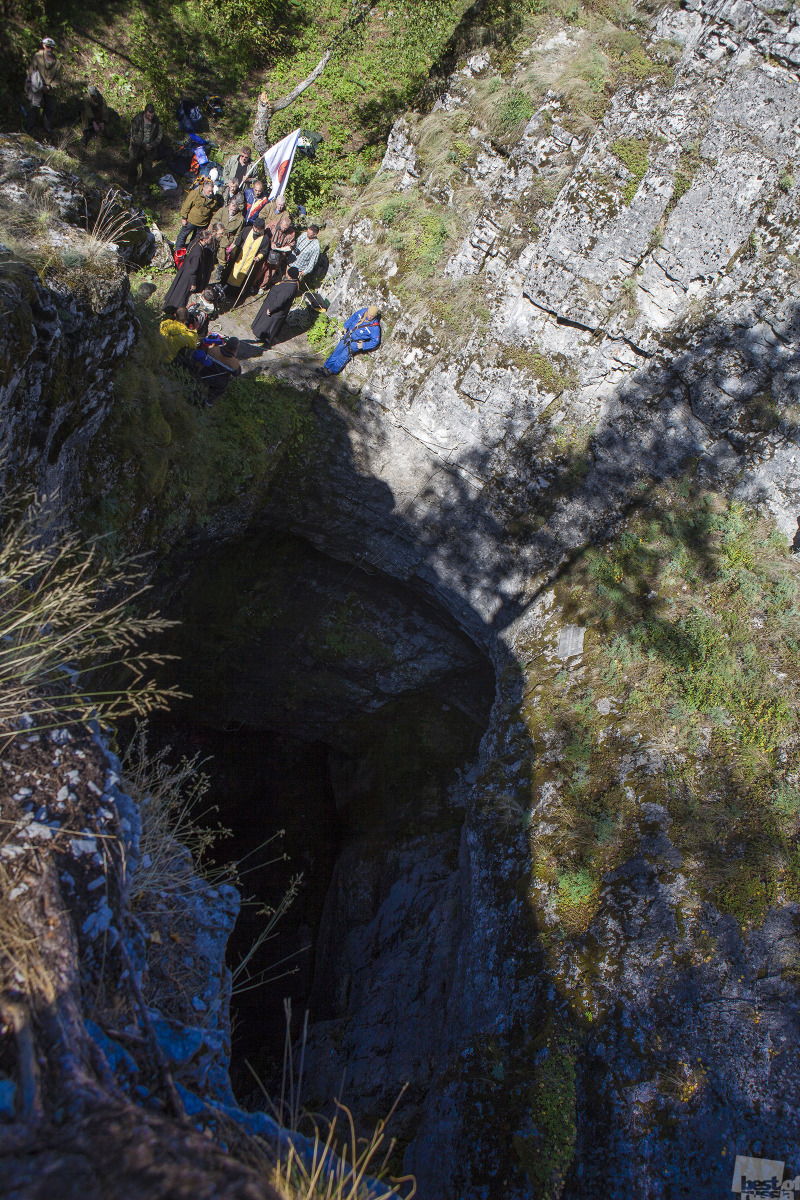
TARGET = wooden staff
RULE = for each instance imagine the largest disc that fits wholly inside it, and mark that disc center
(247, 280)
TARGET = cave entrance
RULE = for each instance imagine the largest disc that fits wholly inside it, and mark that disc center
(336, 705)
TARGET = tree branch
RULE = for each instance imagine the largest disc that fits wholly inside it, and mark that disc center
(266, 108)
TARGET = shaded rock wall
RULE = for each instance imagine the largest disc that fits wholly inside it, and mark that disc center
(59, 350)
(662, 288)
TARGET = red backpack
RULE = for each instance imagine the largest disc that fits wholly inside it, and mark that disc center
(178, 257)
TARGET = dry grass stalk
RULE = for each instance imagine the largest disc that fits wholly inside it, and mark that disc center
(21, 967)
(242, 977)
(343, 1172)
(113, 224)
(59, 627)
(174, 839)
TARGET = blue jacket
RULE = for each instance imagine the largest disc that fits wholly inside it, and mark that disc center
(366, 337)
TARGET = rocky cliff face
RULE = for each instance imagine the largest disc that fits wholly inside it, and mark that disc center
(627, 1028)
(68, 321)
(579, 438)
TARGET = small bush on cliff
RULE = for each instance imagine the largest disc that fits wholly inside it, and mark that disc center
(634, 153)
(324, 333)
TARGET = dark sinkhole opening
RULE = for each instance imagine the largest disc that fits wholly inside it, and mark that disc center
(334, 704)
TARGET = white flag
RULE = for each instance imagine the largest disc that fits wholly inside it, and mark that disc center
(278, 161)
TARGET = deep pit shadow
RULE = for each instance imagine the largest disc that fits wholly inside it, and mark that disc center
(651, 434)
(671, 421)
(331, 703)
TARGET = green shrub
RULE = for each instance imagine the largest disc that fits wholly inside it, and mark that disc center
(634, 154)
(515, 111)
(178, 462)
(324, 333)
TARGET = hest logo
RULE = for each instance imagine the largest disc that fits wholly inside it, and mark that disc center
(761, 1178)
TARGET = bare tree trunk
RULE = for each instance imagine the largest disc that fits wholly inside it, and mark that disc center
(265, 109)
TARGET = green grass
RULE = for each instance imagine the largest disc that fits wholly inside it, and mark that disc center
(175, 465)
(693, 627)
(576, 898)
(324, 333)
(514, 113)
(689, 164)
(192, 47)
(553, 378)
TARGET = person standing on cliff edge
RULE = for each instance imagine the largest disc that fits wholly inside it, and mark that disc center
(44, 76)
(146, 137)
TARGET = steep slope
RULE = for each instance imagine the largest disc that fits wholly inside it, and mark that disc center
(607, 1008)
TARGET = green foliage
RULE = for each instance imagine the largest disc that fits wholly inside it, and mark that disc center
(634, 154)
(179, 463)
(576, 899)
(553, 379)
(594, 68)
(515, 111)
(656, 239)
(688, 166)
(432, 239)
(393, 208)
(693, 628)
(418, 234)
(388, 61)
(139, 52)
(324, 333)
(786, 182)
(547, 1151)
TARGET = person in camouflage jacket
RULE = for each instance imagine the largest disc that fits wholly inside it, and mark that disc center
(146, 137)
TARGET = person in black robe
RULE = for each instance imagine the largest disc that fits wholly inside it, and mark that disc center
(194, 273)
(275, 309)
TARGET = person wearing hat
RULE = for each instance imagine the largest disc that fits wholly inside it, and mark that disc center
(362, 332)
(43, 78)
(275, 309)
(146, 137)
(250, 248)
(232, 226)
(235, 169)
(94, 114)
(199, 206)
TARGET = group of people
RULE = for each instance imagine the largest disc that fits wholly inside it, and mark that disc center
(232, 240)
(256, 239)
(255, 248)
